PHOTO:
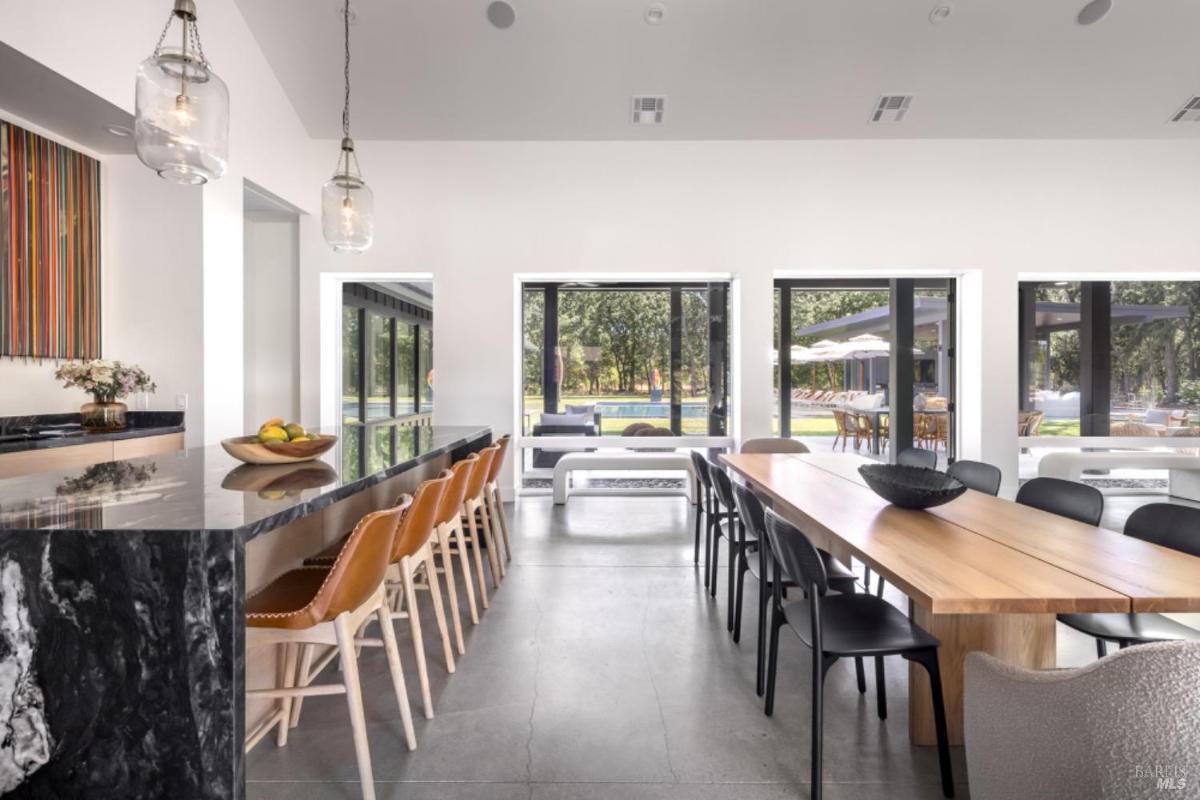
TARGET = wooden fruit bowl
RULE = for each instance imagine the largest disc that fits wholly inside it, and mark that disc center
(252, 451)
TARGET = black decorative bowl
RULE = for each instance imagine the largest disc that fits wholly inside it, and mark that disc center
(911, 487)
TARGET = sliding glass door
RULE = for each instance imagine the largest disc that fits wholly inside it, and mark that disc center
(845, 350)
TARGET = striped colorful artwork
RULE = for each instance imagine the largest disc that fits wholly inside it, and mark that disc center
(49, 248)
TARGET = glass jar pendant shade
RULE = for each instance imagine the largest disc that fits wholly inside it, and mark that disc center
(347, 206)
(347, 203)
(182, 114)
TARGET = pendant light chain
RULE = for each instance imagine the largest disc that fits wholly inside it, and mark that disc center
(195, 31)
(162, 37)
(346, 73)
(191, 32)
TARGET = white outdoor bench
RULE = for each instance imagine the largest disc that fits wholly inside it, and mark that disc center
(620, 460)
(1184, 469)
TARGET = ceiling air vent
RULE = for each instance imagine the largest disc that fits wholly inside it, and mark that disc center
(1189, 113)
(891, 108)
(648, 109)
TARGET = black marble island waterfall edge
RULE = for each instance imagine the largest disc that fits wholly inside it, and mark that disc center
(121, 611)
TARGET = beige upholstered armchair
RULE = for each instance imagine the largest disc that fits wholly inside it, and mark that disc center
(1125, 726)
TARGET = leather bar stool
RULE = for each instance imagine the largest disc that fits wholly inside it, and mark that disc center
(496, 503)
(451, 541)
(412, 558)
(479, 529)
(325, 606)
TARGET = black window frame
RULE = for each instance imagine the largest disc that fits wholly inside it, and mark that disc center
(900, 293)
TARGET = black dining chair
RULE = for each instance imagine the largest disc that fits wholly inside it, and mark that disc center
(725, 526)
(704, 502)
(1165, 524)
(1069, 499)
(841, 579)
(842, 626)
(917, 457)
(977, 475)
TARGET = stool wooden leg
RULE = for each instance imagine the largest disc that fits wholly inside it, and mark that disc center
(358, 722)
(306, 657)
(451, 586)
(439, 610)
(477, 547)
(464, 559)
(493, 556)
(393, 656)
(289, 680)
(494, 523)
(414, 624)
(503, 518)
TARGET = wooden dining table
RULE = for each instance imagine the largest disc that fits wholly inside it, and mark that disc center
(980, 572)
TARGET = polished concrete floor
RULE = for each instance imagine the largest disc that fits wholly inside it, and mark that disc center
(603, 671)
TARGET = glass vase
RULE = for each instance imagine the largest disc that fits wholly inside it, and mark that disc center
(102, 415)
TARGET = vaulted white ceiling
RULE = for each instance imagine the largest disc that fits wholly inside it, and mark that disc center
(737, 69)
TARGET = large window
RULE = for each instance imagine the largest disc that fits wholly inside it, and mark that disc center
(649, 355)
(387, 371)
(1102, 358)
(387, 353)
(622, 359)
(836, 383)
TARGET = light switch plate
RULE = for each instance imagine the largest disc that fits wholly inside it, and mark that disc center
(181, 402)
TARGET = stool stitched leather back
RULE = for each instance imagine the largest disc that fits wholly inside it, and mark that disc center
(355, 575)
(483, 468)
(418, 521)
(498, 459)
(456, 490)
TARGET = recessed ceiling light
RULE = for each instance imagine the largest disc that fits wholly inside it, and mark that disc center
(941, 12)
(119, 130)
(655, 13)
(1094, 11)
(501, 14)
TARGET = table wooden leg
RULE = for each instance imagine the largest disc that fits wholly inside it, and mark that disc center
(1023, 639)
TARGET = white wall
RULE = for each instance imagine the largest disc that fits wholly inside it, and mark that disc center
(272, 326)
(98, 46)
(474, 214)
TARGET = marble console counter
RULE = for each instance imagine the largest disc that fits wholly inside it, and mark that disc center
(121, 595)
(47, 431)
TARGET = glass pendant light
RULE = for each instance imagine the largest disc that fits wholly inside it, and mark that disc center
(347, 204)
(182, 125)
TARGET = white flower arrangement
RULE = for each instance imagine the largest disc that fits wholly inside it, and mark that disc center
(105, 380)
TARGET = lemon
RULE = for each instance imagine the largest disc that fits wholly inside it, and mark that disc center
(273, 422)
(301, 438)
(295, 429)
(272, 433)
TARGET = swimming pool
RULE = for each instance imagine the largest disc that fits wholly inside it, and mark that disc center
(649, 410)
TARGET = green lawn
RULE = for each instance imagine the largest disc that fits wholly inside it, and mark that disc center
(803, 426)
(1059, 427)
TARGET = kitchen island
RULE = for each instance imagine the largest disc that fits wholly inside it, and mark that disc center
(122, 585)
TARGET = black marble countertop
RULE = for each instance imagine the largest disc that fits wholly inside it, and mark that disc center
(206, 489)
(45, 431)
